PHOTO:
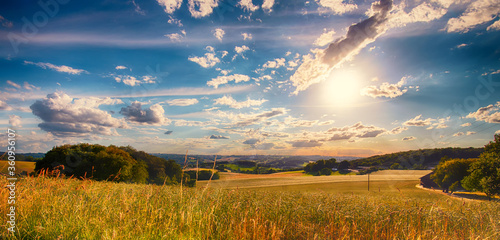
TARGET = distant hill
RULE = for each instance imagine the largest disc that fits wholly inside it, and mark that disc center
(270, 161)
(424, 157)
(24, 156)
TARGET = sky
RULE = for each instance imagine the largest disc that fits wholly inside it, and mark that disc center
(246, 77)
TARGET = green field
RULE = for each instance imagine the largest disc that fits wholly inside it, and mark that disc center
(57, 208)
(20, 166)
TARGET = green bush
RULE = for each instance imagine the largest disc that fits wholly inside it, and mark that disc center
(326, 171)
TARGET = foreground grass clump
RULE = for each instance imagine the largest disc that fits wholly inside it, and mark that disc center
(56, 208)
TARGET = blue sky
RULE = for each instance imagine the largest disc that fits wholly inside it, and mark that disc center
(319, 77)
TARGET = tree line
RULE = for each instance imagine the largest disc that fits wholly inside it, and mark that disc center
(112, 163)
(324, 167)
(477, 174)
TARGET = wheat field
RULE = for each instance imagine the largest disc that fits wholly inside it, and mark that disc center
(59, 208)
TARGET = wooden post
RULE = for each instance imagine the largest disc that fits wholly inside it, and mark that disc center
(368, 182)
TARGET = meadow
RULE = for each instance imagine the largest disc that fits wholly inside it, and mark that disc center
(59, 208)
(20, 166)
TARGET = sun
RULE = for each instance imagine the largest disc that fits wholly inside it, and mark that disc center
(342, 88)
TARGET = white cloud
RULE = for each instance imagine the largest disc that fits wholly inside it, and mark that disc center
(119, 67)
(418, 121)
(170, 6)
(231, 102)
(208, 61)
(325, 38)
(15, 121)
(241, 49)
(154, 115)
(337, 6)
(276, 63)
(312, 70)
(488, 114)
(293, 122)
(28, 86)
(13, 84)
(470, 133)
(478, 12)
(62, 68)
(458, 134)
(425, 12)
(64, 116)
(386, 90)
(247, 36)
(4, 106)
(133, 81)
(174, 21)
(494, 26)
(233, 120)
(219, 33)
(267, 5)
(176, 37)
(466, 124)
(248, 5)
(262, 78)
(182, 102)
(357, 130)
(202, 8)
(215, 82)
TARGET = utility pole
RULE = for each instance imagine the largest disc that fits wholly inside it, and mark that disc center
(368, 182)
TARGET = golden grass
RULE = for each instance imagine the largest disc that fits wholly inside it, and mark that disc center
(20, 166)
(57, 208)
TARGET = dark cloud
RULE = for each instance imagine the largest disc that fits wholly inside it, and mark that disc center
(317, 66)
(264, 146)
(169, 132)
(251, 141)
(254, 119)
(358, 34)
(64, 116)
(357, 130)
(489, 114)
(153, 115)
(218, 137)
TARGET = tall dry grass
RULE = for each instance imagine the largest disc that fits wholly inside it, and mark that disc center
(58, 208)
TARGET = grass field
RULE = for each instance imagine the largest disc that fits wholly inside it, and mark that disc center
(20, 166)
(56, 208)
(236, 180)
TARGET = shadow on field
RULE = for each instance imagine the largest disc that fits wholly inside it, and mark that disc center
(474, 196)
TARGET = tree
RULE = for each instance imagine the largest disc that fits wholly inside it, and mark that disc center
(485, 173)
(493, 146)
(160, 171)
(395, 166)
(316, 167)
(451, 171)
(343, 165)
(94, 161)
(326, 171)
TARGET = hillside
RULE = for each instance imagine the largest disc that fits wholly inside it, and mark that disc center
(268, 161)
(424, 157)
(30, 157)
